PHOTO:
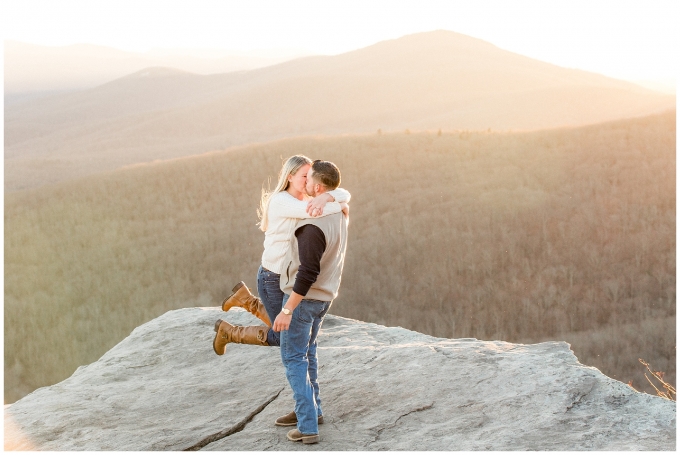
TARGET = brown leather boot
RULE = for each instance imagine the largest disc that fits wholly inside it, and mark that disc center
(290, 419)
(227, 333)
(296, 436)
(242, 297)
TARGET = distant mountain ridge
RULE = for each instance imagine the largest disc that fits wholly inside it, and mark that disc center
(31, 67)
(424, 81)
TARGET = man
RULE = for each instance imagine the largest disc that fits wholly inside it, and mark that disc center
(316, 258)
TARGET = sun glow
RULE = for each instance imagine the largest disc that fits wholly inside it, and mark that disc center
(624, 39)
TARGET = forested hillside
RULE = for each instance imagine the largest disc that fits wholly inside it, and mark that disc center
(564, 234)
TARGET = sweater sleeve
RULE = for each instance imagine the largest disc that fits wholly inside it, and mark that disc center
(340, 195)
(311, 246)
(286, 206)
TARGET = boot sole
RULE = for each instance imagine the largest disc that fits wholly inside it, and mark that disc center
(313, 439)
(233, 291)
(217, 329)
(310, 440)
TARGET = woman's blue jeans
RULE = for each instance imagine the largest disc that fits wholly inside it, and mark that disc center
(298, 353)
(271, 295)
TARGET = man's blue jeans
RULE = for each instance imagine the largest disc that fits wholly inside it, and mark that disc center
(271, 295)
(298, 353)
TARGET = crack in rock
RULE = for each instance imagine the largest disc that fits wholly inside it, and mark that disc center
(582, 391)
(370, 360)
(234, 429)
(423, 408)
(484, 379)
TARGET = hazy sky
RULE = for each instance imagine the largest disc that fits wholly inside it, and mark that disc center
(619, 38)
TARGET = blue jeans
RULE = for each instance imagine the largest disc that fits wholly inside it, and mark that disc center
(271, 295)
(298, 353)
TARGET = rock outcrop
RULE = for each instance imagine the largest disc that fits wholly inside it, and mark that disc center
(383, 388)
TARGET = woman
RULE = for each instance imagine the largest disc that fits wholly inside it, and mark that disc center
(279, 212)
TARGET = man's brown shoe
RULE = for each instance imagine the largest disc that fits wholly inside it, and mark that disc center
(296, 436)
(291, 419)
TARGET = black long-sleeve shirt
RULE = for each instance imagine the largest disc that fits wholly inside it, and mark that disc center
(311, 246)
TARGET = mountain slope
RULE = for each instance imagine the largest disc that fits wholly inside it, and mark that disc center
(423, 81)
(564, 234)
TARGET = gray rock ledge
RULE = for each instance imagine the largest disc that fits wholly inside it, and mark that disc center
(383, 388)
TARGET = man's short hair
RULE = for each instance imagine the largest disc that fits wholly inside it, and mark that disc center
(326, 173)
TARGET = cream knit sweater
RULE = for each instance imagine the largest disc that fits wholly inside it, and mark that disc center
(283, 214)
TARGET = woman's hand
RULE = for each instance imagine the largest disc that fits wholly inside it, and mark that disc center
(316, 205)
(345, 209)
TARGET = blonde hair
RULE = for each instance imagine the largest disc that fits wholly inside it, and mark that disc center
(290, 167)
